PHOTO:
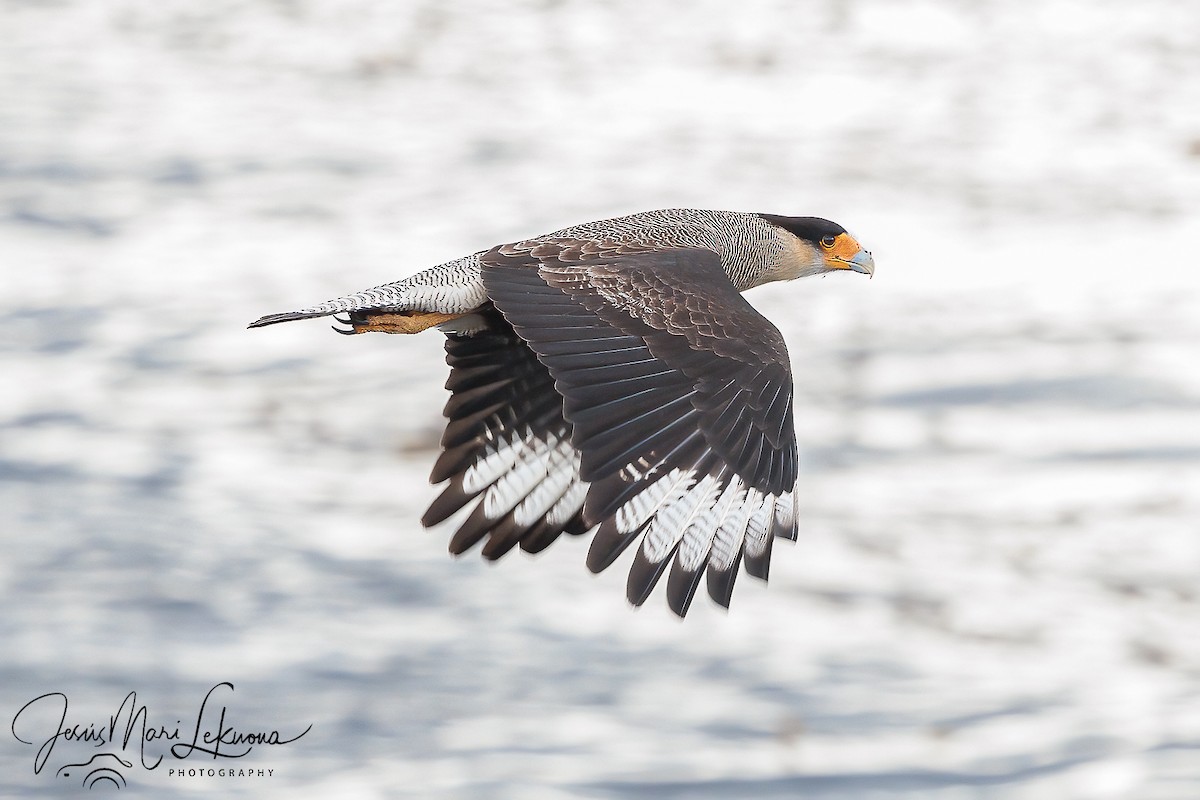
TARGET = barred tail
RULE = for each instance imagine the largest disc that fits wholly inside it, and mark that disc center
(271, 319)
(452, 288)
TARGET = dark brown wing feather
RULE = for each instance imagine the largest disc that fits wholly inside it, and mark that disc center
(662, 365)
(503, 397)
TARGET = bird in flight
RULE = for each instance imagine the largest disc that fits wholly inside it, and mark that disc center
(611, 377)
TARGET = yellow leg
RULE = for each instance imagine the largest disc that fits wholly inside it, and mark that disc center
(403, 322)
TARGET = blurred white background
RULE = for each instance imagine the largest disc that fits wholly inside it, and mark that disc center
(995, 592)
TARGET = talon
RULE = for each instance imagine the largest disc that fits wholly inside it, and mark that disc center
(343, 331)
(341, 321)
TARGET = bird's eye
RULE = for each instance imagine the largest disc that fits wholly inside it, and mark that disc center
(827, 241)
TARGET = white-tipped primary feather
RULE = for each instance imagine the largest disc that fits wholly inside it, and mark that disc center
(571, 501)
(633, 513)
(673, 518)
(544, 495)
(785, 512)
(732, 530)
(500, 457)
(758, 526)
(518, 482)
(698, 538)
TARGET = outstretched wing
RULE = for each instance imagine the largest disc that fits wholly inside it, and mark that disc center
(679, 399)
(506, 443)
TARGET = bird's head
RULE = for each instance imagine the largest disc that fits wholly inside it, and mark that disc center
(812, 246)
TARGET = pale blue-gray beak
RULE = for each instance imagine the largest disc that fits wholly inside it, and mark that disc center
(863, 262)
(860, 262)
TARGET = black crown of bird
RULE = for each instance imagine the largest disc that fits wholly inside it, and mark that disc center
(610, 378)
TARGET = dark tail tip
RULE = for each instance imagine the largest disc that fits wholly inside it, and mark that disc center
(271, 319)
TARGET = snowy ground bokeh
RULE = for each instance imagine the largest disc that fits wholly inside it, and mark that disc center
(995, 593)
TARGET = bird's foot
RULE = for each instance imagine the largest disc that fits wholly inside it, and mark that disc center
(390, 322)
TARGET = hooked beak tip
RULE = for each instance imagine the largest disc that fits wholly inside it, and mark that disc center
(862, 263)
